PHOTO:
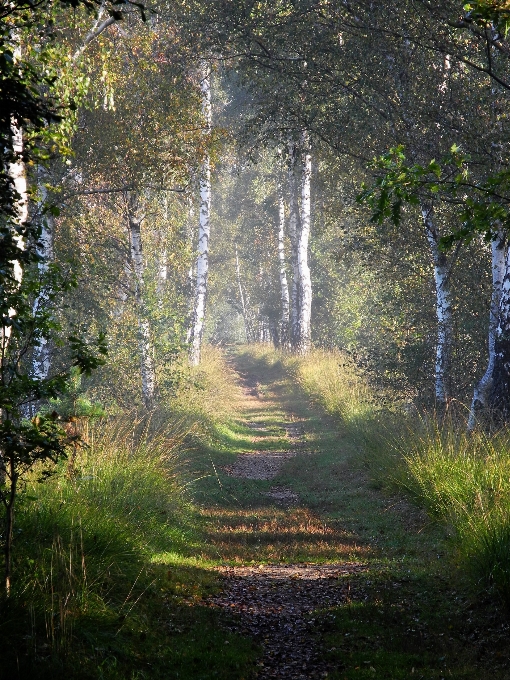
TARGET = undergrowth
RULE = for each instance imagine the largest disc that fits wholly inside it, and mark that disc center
(106, 553)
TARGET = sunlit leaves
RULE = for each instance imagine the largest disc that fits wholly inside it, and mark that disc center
(484, 206)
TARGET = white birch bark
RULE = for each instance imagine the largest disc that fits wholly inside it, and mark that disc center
(242, 299)
(162, 268)
(190, 288)
(97, 28)
(284, 286)
(41, 362)
(18, 175)
(203, 230)
(443, 309)
(162, 275)
(498, 266)
(305, 284)
(294, 229)
(148, 373)
(124, 288)
(499, 398)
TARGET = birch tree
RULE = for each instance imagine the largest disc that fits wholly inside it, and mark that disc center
(294, 231)
(41, 361)
(482, 390)
(17, 183)
(305, 284)
(243, 301)
(500, 383)
(204, 228)
(135, 217)
(300, 170)
(284, 286)
(443, 309)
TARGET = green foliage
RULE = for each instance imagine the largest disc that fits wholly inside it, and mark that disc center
(489, 13)
(484, 204)
(75, 403)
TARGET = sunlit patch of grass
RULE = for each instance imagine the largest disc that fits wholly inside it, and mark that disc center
(284, 535)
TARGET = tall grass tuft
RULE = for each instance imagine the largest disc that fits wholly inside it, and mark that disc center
(88, 534)
(463, 479)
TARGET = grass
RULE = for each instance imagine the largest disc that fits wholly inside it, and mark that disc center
(115, 559)
(108, 554)
(461, 479)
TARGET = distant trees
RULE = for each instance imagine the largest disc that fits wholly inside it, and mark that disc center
(359, 81)
(336, 84)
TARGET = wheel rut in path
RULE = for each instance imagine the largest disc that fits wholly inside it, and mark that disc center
(275, 604)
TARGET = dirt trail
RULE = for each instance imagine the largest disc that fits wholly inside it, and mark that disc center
(275, 603)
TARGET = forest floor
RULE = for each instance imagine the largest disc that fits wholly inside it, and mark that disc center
(327, 575)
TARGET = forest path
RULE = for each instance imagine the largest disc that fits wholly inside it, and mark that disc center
(326, 574)
(276, 601)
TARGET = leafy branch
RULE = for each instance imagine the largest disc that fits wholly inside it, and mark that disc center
(485, 204)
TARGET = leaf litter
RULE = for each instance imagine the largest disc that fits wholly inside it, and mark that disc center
(275, 604)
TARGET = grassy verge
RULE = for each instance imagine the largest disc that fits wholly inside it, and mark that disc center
(462, 480)
(109, 552)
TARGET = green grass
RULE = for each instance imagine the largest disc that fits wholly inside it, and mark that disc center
(461, 479)
(108, 555)
(115, 559)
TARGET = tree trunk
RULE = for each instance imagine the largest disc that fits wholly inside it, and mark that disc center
(244, 308)
(148, 373)
(500, 393)
(294, 230)
(162, 275)
(17, 173)
(483, 388)
(283, 335)
(41, 362)
(162, 257)
(305, 284)
(190, 279)
(9, 498)
(443, 310)
(203, 231)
